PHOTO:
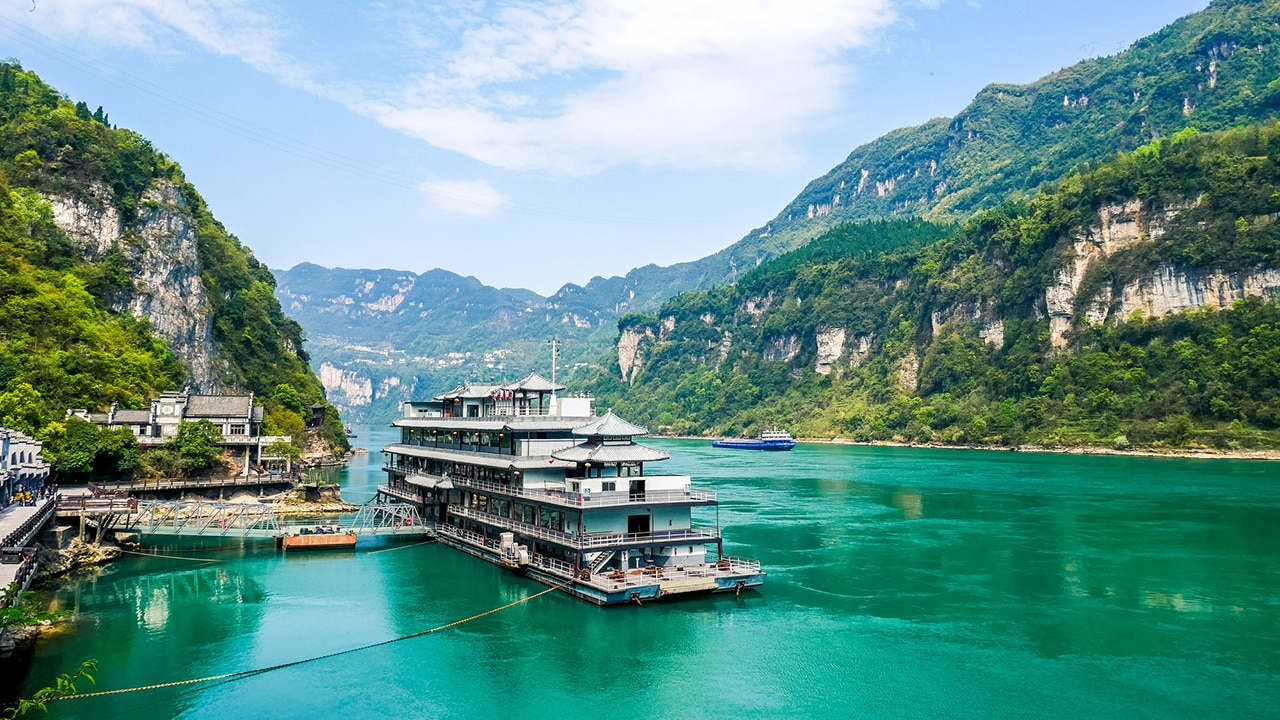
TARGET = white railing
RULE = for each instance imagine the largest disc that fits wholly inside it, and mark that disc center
(591, 541)
(474, 538)
(695, 536)
(725, 567)
(401, 493)
(574, 500)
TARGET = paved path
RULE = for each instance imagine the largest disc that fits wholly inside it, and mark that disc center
(13, 516)
(10, 518)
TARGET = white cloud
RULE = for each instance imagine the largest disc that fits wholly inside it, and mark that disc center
(472, 198)
(581, 85)
(234, 28)
(573, 86)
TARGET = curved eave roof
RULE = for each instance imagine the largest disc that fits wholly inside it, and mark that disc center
(533, 382)
(606, 454)
(610, 426)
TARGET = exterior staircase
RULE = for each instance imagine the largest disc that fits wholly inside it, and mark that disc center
(601, 560)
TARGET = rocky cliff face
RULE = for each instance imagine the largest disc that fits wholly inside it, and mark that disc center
(631, 352)
(1166, 290)
(160, 247)
(345, 386)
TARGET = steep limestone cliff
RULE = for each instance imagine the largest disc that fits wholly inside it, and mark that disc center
(1169, 290)
(631, 351)
(160, 248)
(346, 386)
(830, 348)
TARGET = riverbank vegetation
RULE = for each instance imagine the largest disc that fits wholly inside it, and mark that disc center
(947, 334)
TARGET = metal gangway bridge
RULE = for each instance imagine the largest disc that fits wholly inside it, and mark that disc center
(204, 518)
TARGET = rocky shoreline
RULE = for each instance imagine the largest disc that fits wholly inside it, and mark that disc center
(1195, 453)
(78, 555)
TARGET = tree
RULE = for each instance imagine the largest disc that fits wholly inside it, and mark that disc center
(287, 396)
(73, 451)
(280, 421)
(116, 453)
(283, 448)
(199, 444)
(22, 409)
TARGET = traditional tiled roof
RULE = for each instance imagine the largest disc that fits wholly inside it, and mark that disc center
(208, 406)
(610, 426)
(533, 382)
(609, 453)
(470, 391)
(132, 417)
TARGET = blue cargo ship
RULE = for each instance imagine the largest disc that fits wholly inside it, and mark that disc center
(774, 439)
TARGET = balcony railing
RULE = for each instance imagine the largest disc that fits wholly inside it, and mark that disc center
(590, 541)
(572, 500)
(620, 579)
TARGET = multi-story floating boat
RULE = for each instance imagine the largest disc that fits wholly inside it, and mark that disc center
(521, 477)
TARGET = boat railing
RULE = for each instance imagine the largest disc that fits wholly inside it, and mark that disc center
(678, 536)
(590, 541)
(474, 538)
(402, 493)
(725, 567)
(584, 500)
(555, 565)
(568, 499)
(618, 579)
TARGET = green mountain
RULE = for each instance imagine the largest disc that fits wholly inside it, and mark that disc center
(116, 282)
(1137, 302)
(1214, 70)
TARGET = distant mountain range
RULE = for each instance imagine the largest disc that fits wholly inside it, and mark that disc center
(1214, 70)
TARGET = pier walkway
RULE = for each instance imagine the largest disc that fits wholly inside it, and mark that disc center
(252, 480)
(18, 526)
(203, 518)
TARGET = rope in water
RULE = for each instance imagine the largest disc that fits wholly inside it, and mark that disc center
(259, 671)
(401, 547)
(169, 557)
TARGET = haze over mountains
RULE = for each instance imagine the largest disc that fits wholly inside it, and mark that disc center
(381, 336)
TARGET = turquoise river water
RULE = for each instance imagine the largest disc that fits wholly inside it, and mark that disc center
(903, 583)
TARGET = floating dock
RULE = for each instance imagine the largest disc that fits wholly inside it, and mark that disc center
(345, 540)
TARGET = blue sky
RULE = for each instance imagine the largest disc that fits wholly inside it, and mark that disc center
(532, 144)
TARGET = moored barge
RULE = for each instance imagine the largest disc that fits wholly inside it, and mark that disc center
(517, 475)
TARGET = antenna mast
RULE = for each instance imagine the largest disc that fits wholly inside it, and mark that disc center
(555, 352)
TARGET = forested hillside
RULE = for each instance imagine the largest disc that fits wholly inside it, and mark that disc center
(1132, 304)
(116, 282)
(1214, 70)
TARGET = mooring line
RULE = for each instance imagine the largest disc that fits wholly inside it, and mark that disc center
(259, 671)
(169, 557)
(401, 547)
